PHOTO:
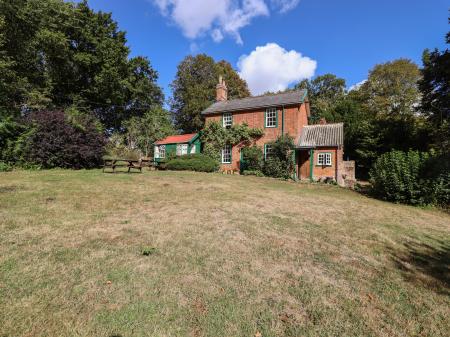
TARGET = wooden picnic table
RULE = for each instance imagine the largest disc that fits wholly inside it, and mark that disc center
(136, 164)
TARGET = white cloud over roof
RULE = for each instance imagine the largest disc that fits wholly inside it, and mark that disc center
(273, 68)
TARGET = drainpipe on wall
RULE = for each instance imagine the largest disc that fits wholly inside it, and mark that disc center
(282, 120)
(337, 164)
(311, 165)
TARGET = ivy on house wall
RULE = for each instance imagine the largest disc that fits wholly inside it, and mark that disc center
(214, 137)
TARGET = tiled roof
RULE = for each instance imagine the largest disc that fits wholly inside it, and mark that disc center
(291, 97)
(322, 135)
(176, 139)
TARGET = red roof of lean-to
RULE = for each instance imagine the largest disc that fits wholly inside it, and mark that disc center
(176, 139)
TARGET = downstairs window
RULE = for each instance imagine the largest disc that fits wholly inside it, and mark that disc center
(324, 159)
(226, 154)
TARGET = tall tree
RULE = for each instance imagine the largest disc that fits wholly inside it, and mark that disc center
(323, 92)
(194, 89)
(435, 88)
(391, 90)
(142, 132)
(64, 54)
(391, 97)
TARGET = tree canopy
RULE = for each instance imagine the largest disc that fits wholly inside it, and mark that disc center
(391, 90)
(57, 54)
(323, 92)
(194, 89)
(435, 88)
(375, 113)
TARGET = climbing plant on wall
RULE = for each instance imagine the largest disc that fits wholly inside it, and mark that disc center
(214, 137)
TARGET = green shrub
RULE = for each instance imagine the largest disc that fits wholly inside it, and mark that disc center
(436, 184)
(5, 167)
(257, 173)
(193, 162)
(280, 163)
(395, 176)
(273, 167)
(412, 177)
(253, 158)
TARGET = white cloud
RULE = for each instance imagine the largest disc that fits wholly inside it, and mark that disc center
(218, 17)
(273, 68)
(284, 6)
(357, 85)
(217, 35)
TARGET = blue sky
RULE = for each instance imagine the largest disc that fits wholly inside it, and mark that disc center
(274, 43)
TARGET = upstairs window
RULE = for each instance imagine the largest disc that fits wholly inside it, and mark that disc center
(271, 118)
(324, 159)
(226, 154)
(227, 120)
(162, 151)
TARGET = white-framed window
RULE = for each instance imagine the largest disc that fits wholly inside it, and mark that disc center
(324, 159)
(226, 154)
(227, 119)
(271, 118)
(182, 149)
(162, 151)
(193, 149)
(268, 151)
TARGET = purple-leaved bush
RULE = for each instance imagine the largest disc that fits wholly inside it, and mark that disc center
(56, 142)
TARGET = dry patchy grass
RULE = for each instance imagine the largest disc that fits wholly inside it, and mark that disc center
(224, 256)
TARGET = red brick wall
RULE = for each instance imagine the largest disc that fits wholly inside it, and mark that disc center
(328, 171)
(295, 117)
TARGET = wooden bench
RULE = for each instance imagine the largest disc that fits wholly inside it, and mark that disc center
(127, 163)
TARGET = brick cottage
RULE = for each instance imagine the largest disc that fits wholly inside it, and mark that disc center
(319, 148)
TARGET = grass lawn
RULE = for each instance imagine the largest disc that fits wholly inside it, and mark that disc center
(225, 256)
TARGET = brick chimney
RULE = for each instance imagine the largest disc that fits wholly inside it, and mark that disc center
(221, 90)
(322, 121)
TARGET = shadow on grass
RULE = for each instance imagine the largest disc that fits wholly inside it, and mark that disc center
(426, 265)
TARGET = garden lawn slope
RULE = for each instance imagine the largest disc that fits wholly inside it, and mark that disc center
(225, 256)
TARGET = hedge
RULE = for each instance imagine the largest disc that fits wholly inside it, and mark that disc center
(193, 162)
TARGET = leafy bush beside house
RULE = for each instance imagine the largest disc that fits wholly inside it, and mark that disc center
(50, 139)
(193, 162)
(436, 172)
(252, 158)
(413, 177)
(279, 161)
(395, 176)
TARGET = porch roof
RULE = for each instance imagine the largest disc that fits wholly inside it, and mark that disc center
(321, 135)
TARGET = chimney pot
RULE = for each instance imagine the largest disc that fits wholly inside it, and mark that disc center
(221, 90)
